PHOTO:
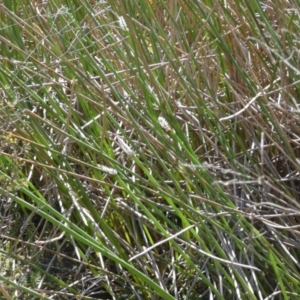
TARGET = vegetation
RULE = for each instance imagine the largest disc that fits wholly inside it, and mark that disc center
(149, 149)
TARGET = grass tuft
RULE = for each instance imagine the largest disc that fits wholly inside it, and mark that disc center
(149, 149)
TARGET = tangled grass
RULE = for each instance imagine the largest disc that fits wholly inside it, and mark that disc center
(149, 149)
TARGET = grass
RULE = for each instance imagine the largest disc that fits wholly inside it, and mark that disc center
(149, 149)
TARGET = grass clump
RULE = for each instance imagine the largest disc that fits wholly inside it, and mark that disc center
(149, 149)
